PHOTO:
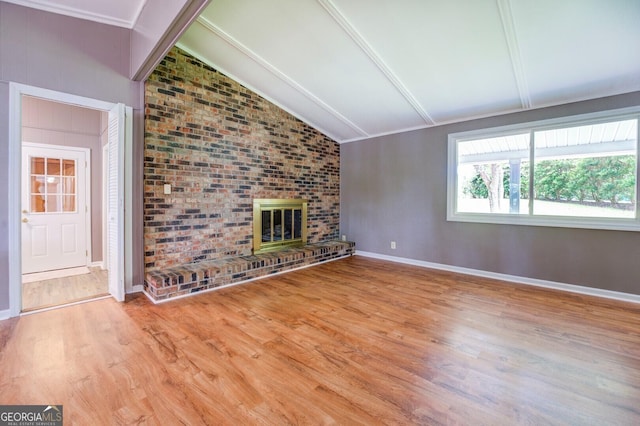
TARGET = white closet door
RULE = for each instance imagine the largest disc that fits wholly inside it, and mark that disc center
(116, 202)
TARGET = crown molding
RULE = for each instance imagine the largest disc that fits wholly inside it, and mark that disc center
(48, 6)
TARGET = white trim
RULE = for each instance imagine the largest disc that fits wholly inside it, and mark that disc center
(52, 7)
(5, 314)
(551, 123)
(97, 264)
(16, 91)
(465, 119)
(182, 296)
(127, 256)
(137, 14)
(571, 288)
(217, 31)
(616, 224)
(510, 35)
(137, 288)
(56, 96)
(58, 147)
(51, 308)
(368, 50)
(15, 190)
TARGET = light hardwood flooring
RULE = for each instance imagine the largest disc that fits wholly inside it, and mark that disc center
(355, 341)
(60, 291)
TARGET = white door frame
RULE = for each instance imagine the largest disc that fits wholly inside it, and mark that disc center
(87, 190)
(16, 91)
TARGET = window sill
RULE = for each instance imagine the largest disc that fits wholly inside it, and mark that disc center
(613, 224)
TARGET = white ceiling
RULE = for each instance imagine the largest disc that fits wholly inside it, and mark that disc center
(361, 68)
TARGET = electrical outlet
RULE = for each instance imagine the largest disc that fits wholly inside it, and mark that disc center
(393, 245)
(344, 238)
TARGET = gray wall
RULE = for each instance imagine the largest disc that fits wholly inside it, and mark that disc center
(68, 55)
(394, 188)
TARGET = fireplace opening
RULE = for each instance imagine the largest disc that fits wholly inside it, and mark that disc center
(279, 223)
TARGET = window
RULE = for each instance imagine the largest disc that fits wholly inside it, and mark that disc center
(576, 171)
(53, 185)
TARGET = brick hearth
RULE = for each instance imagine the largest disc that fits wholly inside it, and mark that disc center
(206, 275)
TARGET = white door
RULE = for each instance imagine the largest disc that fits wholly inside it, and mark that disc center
(115, 208)
(54, 208)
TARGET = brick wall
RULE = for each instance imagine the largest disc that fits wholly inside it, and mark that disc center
(220, 146)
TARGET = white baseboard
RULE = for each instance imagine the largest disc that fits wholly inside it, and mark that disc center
(572, 288)
(6, 314)
(98, 264)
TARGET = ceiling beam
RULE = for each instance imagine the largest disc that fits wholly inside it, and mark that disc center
(219, 32)
(376, 59)
(508, 25)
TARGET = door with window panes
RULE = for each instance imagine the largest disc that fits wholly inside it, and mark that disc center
(54, 210)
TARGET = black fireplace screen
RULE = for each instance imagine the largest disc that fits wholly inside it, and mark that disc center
(278, 223)
(281, 225)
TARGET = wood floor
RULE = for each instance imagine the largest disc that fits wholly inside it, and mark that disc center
(59, 291)
(355, 341)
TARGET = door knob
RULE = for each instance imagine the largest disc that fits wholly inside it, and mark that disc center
(25, 220)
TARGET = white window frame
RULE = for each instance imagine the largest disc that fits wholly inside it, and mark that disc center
(620, 224)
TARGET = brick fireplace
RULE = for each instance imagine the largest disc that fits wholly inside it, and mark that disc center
(220, 146)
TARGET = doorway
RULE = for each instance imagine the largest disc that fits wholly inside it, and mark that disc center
(61, 168)
(43, 205)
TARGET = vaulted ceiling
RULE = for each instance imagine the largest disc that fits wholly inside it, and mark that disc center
(355, 69)
(361, 68)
